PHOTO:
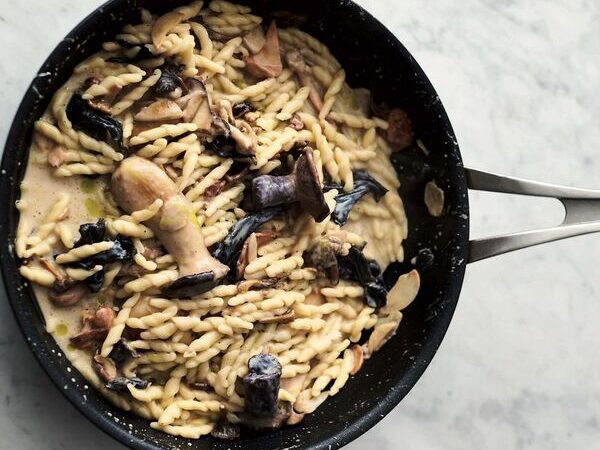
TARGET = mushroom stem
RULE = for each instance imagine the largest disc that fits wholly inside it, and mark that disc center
(302, 186)
(136, 184)
(271, 190)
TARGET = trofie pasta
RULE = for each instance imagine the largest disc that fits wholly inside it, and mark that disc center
(206, 216)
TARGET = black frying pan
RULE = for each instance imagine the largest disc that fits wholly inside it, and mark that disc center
(375, 59)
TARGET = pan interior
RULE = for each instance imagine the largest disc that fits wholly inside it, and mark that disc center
(373, 59)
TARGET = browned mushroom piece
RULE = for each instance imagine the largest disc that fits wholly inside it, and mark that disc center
(255, 40)
(89, 338)
(160, 110)
(196, 105)
(136, 184)
(302, 186)
(70, 297)
(104, 367)
(267, 62)
(399, 133)
(103, 317)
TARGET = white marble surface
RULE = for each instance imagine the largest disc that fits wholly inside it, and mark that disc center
(519, 366)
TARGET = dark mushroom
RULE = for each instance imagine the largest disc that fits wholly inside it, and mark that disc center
(267, 62)
(363, 185)
(225, 430)
(303, 186)
(323, 257)
(94, 123)
(170, 79)
(119, 384)
(122, 250)
(91, 232)
(283, 413)
(122, 352)
(228, 250)
(357, 267)
(89, 338)
(261, 385)
(241, 109)
(136, 184)
(400, 133)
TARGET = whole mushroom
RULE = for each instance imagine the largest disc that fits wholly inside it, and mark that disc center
(303, 186)
(136, 184)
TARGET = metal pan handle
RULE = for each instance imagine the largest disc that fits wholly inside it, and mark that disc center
(582, 213)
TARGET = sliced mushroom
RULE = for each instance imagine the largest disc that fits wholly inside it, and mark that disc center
(267, 62)
(380, 335)
(103, 318)
(296, 122)
(251, 285)
(254, 241)
(104, 367)
(303, 186)
(119, 384)
(358, 359)
(434, 199)
(70, 297)
(403, 292)
(94, 123)
(400, 133)
(160, 110)
(170, 80)
(255, 40)
(196, 105)
(89, 338)
(306, 404)
(136, 184)
(283, 318)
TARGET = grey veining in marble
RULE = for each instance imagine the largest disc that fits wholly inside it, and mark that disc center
(519, 366)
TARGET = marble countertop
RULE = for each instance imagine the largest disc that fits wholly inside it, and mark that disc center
(519, 366)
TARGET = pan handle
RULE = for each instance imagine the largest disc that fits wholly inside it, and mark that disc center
(582, 213)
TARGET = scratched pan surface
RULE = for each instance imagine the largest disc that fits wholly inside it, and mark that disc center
(373, 58)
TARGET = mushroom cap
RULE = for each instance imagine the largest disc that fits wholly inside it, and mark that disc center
(191, 285)
(308, 186)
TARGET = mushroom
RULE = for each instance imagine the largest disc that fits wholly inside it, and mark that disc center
(255, 40)
(323, 257)
(104, 367)
(356, 267)
(196, 105)
(254, 241)
(296, 122)
(239, 110)
(170, 79)
(358, 358)
(225, 430)
(103, 318)
(363, 185)
(70, 297)
(282, 414)
(267, 62)
(403, 292)
(160, 110)
(89, 338)
(400, 133)
(303, 186)
(94, 123)
(261, 385)
(119, 384)
(246, 143)
(122, 352)
(283, 318)
(228, 250)
(381, 334)
(434, 199)
(256, 284)
(136, 184)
